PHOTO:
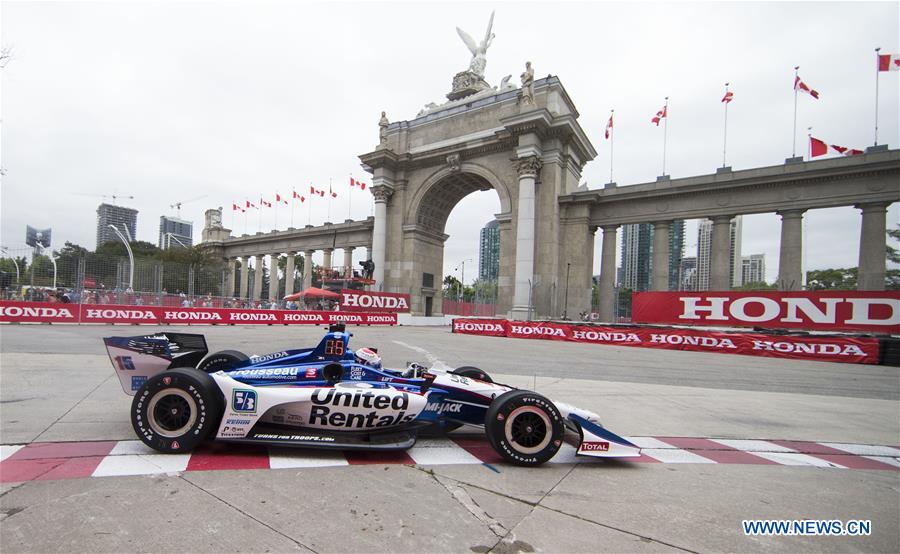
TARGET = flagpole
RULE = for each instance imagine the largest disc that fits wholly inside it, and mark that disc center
(612, 138)
(259, 218)
(794, 138)
(309, 213)
(665, 132)
(809, 144)
(277, 196)
(232, 214)
(329, 199)
(245, 221)
(725, 139)
(876, 94)
(293, 197)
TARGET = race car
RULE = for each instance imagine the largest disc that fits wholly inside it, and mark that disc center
(332, 397)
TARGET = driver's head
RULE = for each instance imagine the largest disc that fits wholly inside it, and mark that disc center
(368, 357)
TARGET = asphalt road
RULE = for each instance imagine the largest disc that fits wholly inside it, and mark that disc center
(56, 384)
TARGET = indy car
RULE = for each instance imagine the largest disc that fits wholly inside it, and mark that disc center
(333, 397)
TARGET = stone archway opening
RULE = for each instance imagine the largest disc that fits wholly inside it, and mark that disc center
(449, 219)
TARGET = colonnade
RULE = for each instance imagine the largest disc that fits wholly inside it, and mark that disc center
(243, 288)
(872, 245)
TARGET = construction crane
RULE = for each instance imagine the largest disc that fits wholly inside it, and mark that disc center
(104, 196)
(177, 205)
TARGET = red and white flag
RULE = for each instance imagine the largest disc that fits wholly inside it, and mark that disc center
(235, 207)
(847, 151)
(278, 198)
(355, 183)
(250, 204)
(331, 192)
(302, 199)
(609, 126)
(803, 87)
(888, 62)
(264, 202)
(314, 190)
(729, 96)
(659, 115)
(817, 147)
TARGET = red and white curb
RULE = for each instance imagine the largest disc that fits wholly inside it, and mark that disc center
(69, 460)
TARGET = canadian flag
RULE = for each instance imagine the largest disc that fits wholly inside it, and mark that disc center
(264, 202)
(729, 96)
(659, 115)
(802, 87)
(235, 207)
(278, 198)
(250, 204)
(331, 192)
(313, 190)
(888, 62)
(302, 199)
(609, 126)
(355, 183)
(817, 147)
(847, 151)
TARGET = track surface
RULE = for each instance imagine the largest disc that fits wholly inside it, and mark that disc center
(780, 429)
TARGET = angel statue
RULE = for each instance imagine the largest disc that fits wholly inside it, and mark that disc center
(478, 51)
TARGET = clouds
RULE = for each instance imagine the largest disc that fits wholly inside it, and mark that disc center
(167, 101)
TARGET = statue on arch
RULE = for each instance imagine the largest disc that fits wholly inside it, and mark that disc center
(382, 128)
(527, 94)
(479, 61)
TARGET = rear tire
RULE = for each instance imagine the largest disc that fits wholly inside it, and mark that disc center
(524, 427)
(473, 373)
(222, 360)
(176, 410)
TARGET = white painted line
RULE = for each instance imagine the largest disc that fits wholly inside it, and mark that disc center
(796, 459)
(649, 442)
(8, 450)
(131, 447)
(440, 452)
(864, 449)
(885, 460)
(285, 458)
(675, 456)
(149, 464)
(753, 445)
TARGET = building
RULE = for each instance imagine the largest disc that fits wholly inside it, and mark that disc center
(489, 252)
(175, 233)
(689, 273)
(124, 219)
(637, 255)
(704, 238)
(753, 269)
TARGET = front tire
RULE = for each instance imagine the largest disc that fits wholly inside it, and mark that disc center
(473, 373)
(524, 427)
(222, 360)
(176, 410)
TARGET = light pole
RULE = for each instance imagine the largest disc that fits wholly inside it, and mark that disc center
(53, 261)
(130, 254)
(566, 301)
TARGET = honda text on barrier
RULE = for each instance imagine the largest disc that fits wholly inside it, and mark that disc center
(332, 397)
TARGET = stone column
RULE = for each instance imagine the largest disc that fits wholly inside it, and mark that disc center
(326, 258)
(229, 277)
(607, 309)
(528, 169)
(720, 254)
(307, 269)
(257, 277)
(872, 246)
(289, 274)
(379, 233)
(273, 277)
(368, 252)
(245, 275)
(348, 262)
(790, 259)
(659, 279)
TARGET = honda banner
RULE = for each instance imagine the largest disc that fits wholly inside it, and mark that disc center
(824, 310)
(34, 312)
(801, 347)
(365, 301)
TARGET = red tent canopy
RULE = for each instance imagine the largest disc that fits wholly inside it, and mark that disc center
(313, 292)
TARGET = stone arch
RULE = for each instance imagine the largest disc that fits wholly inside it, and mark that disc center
(442, 190)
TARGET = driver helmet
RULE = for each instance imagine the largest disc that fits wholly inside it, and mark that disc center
(368, 357)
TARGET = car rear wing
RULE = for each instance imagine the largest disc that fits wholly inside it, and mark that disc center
(136, 359)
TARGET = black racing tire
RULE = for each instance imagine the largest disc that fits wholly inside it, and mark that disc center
(175, 410)
(524, 427)
(222, 360)
(473, 373)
